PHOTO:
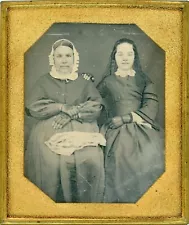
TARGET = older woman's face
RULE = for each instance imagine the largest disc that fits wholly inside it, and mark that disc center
(125, 56)
(63, 59)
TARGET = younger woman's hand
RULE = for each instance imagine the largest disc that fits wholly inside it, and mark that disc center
(115, 122)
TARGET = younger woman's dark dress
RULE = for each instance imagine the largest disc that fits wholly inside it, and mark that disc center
(134, 155)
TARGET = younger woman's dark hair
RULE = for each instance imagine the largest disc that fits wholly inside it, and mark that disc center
(141, 77)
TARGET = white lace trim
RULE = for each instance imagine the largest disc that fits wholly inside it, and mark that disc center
(55, 74)
(66, 143)
(123, 73)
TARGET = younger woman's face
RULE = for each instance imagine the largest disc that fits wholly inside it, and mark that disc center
(63, 59)
(125, 56)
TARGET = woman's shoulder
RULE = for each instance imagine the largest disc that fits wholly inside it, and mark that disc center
(42, 79)
(107, 78)
(143, 80)
(104, 82)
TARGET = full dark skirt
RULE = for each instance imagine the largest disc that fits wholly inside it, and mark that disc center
(75, 178)
(134, 160)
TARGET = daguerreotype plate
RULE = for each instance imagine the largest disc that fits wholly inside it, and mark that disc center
(94, 125)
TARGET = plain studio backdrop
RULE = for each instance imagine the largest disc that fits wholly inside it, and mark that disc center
(94, 43)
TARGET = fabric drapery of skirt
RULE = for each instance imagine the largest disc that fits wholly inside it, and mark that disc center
(59, 176)
(133, 162)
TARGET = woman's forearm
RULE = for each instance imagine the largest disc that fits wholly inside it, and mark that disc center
(44, 109)
(90, 115)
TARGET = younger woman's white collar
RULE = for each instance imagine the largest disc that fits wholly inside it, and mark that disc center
(123, 73)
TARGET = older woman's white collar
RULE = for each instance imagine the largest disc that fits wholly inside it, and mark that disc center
(123, 73)
(55, 74)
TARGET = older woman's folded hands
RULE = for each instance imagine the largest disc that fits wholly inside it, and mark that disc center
(85, 112)
(67, 113)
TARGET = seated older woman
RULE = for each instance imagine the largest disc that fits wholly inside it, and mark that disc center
(63, 156)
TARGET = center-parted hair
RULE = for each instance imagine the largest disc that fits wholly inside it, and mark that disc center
(141, 77)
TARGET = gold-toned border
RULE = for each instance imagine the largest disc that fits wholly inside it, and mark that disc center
(185, 115)
(184, 6)
(3, 116)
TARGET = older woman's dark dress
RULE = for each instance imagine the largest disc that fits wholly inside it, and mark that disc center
(134, 155)
(76, 178)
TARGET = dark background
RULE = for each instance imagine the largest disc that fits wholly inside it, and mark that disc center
(94, 43)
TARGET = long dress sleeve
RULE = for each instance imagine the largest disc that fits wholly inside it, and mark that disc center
(149, 105)
(91, 94)
(38, 105)
(106, 112)
(44, 109)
